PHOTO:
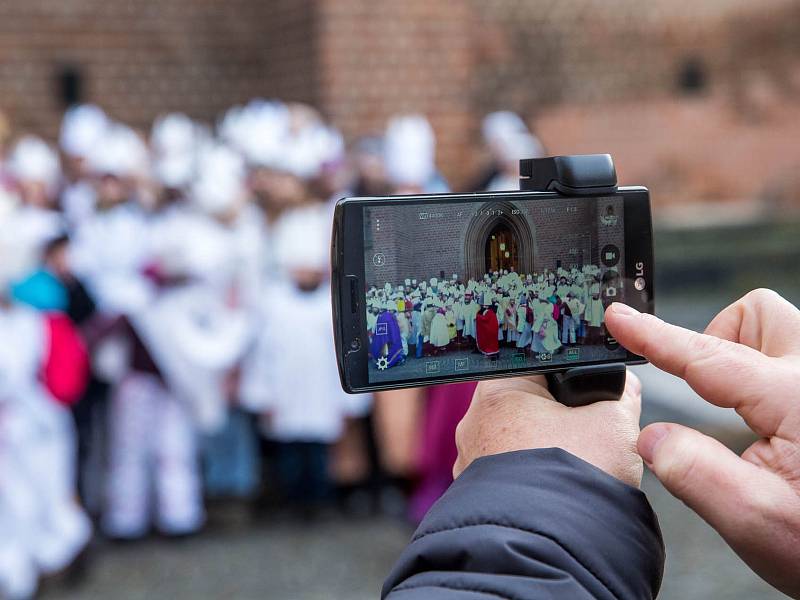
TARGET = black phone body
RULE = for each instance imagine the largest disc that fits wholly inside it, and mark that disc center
(454, 258)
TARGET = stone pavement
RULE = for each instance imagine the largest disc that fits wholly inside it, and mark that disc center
(347, 560)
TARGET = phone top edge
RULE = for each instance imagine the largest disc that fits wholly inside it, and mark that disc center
(453, 195)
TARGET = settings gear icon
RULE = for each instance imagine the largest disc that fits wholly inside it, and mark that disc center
(382, 363)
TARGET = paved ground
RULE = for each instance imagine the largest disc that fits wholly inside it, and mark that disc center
(347, 560)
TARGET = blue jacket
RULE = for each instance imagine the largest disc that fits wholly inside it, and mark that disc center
(533, 524)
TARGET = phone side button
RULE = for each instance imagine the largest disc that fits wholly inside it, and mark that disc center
(354, 299)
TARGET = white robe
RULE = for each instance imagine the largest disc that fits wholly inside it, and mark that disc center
(295, 341)
(523, 327)
(469, 312)
(594, 313)
(108, 252)
(42, 528)
(440, 335)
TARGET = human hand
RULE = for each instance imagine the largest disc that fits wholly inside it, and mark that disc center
(747, 359)
(521, 414)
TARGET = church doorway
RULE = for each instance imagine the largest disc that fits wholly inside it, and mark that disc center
(498, 238)
(501, 250)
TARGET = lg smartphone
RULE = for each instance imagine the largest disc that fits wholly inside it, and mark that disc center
(442, 288)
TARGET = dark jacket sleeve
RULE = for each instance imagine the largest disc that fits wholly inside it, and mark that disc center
(533, 524)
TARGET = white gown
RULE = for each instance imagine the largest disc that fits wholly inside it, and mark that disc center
(295, 340)
(42, 528)
(523, 328)
(594, 312)
(469, 313)
(440, 334)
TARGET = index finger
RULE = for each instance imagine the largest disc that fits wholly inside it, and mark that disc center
(725, 373)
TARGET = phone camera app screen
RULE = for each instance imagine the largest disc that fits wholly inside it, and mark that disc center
(466, 288)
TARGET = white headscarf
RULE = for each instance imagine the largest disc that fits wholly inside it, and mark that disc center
(410, 151)
(82, 128)
(33, 160)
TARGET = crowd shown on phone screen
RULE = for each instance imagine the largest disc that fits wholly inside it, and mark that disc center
(165, 311)
(533, 313)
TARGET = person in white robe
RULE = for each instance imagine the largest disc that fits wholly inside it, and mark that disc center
(571, 322)
(34, 222)
(440, 335)
(42, 528)
(410, 156)
(510, 321)
(594, 313)
(82, 128)
(290, 376)
(372, 317)
(542, 325)
(416, 330)
(508, 139)
(403, 325)
(525, 320)
(470, 311)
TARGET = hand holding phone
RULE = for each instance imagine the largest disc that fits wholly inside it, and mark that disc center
(521, 414)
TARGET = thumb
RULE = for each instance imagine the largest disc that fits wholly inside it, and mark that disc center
(703, 473)
(750, 507)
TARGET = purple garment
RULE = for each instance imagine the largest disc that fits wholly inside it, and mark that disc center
(445, 405)
(387, 333)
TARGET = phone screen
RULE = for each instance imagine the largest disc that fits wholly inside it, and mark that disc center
(465, 288)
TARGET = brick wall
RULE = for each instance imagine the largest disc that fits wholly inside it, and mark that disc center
(142, 57)
(361, 61)
(420, 248)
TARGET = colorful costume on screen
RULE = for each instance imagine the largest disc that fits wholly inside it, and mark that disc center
(387, 341)
(487, 327)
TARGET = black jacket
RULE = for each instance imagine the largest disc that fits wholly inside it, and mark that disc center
(533, 524)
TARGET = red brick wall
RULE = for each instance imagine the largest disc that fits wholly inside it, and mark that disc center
(382, 57)
(145, 57)
(361, 61)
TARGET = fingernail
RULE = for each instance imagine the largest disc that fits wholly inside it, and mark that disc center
(623, 309)
(649, 440)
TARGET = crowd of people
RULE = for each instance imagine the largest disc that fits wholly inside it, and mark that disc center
(163, 300)
(533, 313)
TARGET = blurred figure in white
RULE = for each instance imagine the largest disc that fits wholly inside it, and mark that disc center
(410, 156)
(111, 252)
(206, 250)
(35, 171)
(82, 128)
(303, 414)
(369, 167)
(508, 139)
(42, 528)
(111, 247)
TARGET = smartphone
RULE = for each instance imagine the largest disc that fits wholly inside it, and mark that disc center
(443, 288)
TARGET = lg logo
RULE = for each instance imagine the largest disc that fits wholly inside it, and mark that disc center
(639, 283)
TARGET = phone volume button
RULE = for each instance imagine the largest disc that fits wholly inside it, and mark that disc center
(353, 296)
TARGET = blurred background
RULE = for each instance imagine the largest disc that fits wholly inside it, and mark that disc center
(170, 419)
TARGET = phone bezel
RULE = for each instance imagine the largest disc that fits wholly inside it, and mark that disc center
(347, 261)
